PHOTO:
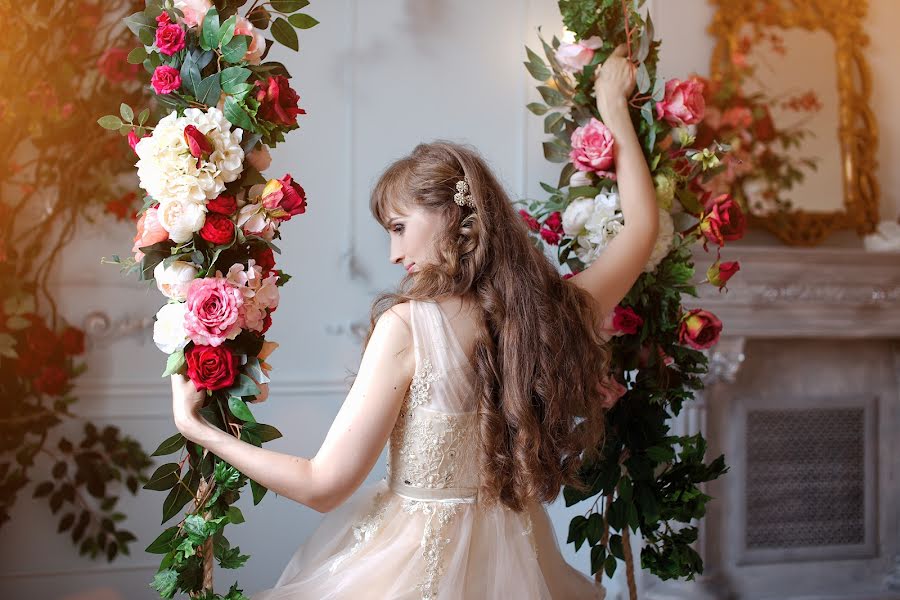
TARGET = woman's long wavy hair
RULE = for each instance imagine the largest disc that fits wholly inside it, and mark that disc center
(538, 356)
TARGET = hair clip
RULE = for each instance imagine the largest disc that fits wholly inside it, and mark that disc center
(462, 196)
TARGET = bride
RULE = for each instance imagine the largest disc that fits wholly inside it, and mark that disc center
(476, 374)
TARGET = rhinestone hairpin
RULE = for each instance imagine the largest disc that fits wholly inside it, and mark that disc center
(462, 196)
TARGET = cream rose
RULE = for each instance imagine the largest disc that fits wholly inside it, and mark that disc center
(181, 219)
(173, 281)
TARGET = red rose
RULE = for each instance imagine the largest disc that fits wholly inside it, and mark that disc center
(211, 367)
(52, 381)
(530, 221)
(278, 102)
(719, 273)
(72, 340)
(723, 220)
(286, 194)
(199, 146)
(133, 139)
(267, 322)
(42, 344)
(224, 205)
(218, 229)
(699, 329)
(264, 257)
(169, 38)
(550, 236)
(165, 80)
(626, 320)
(121, 207)
(554, 222)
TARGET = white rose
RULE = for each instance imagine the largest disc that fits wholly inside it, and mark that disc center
(181, 219)
(576, 215)
(168, 331)
(579, 179)
(663, 241)
(174, 281)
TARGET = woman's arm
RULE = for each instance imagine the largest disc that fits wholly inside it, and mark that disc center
(353, 443)
(610, 277)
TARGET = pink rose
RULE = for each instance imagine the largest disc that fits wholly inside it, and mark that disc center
(133, 139)
(593, 149)
(574, 57)
(169, 38)
(165, 79)
(257, 44)
(149, 231)
(683, 103)
(194, 10)
(213, 308)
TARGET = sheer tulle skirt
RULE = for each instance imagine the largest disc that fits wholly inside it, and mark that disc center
(380, 545)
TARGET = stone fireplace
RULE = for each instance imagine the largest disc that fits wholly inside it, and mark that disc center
(803, 398)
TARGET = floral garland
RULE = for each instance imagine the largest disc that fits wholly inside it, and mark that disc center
(205, 237)
(761, 166)
(645, 478)
(52, 183)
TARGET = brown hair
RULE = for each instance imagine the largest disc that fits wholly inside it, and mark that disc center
(538, 357)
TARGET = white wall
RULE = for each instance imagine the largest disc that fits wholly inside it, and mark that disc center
(375, 78)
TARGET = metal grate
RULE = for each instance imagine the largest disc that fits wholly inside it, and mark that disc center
(805, 478)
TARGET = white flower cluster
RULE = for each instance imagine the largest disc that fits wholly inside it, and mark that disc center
(594, 222)
(176, 179)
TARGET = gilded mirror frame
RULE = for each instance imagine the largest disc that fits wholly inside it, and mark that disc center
(857, 129)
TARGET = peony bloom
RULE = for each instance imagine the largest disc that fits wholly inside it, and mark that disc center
(149, 231)
(683, 103)
(165, 79)
(223, 205)
(699, 329)
(181, 219)
(169, 334)
(574, 57)
(214, 306)
(593, 149)
(173, 281)
(260, 293)
(218, 229)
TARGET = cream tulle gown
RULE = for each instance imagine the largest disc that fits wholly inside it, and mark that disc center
(418, 533)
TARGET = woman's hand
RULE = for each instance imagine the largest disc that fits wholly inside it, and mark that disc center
(186, 402)
(614, 82)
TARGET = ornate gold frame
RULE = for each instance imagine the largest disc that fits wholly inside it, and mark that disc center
(857, 130)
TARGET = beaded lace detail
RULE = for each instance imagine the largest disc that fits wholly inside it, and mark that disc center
(434, 540)
(365, 529)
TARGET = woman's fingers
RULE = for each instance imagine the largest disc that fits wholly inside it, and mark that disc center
(621, 50)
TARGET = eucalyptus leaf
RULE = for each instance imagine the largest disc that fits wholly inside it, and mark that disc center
(643, 79)
(537, 108)
(551, 96)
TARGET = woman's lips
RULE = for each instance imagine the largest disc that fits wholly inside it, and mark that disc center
(409, 268)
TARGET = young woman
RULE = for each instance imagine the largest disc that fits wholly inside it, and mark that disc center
(482, 374)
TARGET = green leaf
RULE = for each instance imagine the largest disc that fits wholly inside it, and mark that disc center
(551, 96)
(139, 23)
(174, 363)
(190, 75)
(111, 122)
(598, 555)
(259, 17)
(137, 56)
(555, 152)
(235, 516)
(244, 387)
(288, 6)
(232, 77)
(647, 113)
(643, 79)
(536, 66)
(142, 118)
(239, 409)
(615, 546)
(610, 565)
(178, 497)
(285, 34)
(302, 21)
(235, 50)
(235, 113)
(258, 492)
(265, 432)
(226, 31)
(594, 529)
(164, 542)
(537, 108)
(170, 445)
(164, 477)
(209, 36)
(166, 582)
(126, 112)
(208, 90)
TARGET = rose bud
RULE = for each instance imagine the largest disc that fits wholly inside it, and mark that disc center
(198, 144)
(719, 273)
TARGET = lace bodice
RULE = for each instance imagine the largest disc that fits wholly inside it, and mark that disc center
(433, 445)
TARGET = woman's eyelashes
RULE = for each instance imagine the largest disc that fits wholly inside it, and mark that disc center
(398, 228)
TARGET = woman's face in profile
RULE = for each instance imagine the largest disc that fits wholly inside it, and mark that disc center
(414, 233)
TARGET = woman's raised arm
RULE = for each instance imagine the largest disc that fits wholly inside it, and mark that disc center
(353, 443)
(610, 277)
